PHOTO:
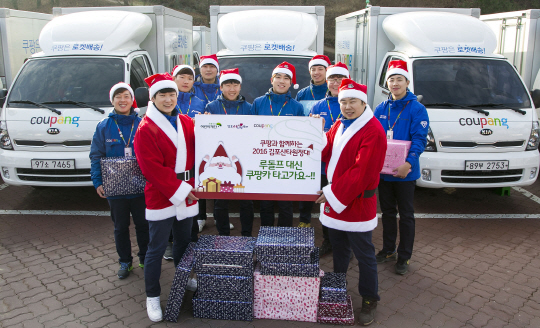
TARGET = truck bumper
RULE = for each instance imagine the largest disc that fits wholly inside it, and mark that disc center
(17, 169)
(448, 170)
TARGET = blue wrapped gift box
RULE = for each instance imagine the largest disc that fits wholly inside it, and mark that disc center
(293, 269)
(222, 310)
(288, 241)
(122, 176)
(178, 288)
(224, 255)
(225, 288)
(334, 287)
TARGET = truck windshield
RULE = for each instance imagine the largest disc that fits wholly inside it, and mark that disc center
(257, 71)
(469, 82)
(86, 80)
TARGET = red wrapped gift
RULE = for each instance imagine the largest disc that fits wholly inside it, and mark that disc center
(336, 313)
(227, 186)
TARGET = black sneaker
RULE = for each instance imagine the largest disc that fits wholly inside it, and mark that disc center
(384, 256)
(367, 314)
(123, 273)
(325, 248)
(168, 253)
(402, 266)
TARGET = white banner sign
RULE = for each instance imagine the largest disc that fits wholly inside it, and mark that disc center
(258, 157)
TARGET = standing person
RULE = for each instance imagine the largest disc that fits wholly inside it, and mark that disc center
(230, 102)
(276, 102)
(327, 108)
(355, 153)
(165, 148)
(403, 118)
(114, 137)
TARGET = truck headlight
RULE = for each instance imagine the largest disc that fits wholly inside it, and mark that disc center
(532, 144)
(5, 141)
(430, 146)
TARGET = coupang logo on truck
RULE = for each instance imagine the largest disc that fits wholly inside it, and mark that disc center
(484, 122)
(52, 120)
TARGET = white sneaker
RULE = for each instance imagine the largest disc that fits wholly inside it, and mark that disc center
(231, 226)
(153, 307)
(201, 223)
(192, 284)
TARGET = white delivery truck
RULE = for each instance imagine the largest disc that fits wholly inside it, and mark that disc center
(483, 126)
(518, 39)
(201, 43)
(256, 39)
(19, 39)
(59, 95)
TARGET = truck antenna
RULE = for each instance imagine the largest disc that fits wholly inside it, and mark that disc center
(368, 4)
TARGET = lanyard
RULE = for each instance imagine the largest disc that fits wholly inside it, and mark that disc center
(397, 118)
(204, 93)
(226, 110)
(189, 106)
(270, 100)
(312, 95)
(330, 111)
(122, 136)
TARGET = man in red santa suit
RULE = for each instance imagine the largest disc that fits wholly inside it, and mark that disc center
(355, 152)
(165, 149)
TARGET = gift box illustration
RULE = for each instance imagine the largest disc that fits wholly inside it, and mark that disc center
(227, 186)
(212, 185)
(396, 154)
(239, 188)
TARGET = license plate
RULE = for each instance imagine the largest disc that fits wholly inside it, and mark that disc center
(486, 165)
(53, 164)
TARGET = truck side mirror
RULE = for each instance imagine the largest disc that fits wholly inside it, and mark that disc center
(197, 71)
(420, 99)
(535, 94)
(142, 97)
(3, 94)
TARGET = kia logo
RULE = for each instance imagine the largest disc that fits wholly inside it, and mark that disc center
(53, 131)
(486, 132)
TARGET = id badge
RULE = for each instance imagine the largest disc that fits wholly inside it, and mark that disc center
(128, 152)
(389, 134)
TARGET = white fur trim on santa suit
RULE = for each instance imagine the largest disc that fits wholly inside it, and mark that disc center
(163, 84)
(399, 71)
(179, 208)
(347, 226)
(209, 61)
(317, 61)
(119, 86)
(230, 76)
(352, 93)
(181, 67)
(337, 71)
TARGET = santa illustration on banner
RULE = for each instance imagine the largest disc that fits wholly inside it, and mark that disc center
(220, 173)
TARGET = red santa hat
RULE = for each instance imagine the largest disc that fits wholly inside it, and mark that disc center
(337, 69)
(220, 156)
(230, 74)
(178, 68)
(351, 89)
(158, 82)
(123, 85)
(320, 60)
(287, 68)
(210, 59)
(397, 67)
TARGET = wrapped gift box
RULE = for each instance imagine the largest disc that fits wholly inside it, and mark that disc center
(285, 305)
(299, 259)
(222, 310)
(225, 288)
(121, 176)
(396, 154)
(286, 283)
(212, 185)
(336, 313)
(293, 269)
(178, 288)
(239, 188)
(334, 287)
(227, 186)
(224, 255)
(285, 241)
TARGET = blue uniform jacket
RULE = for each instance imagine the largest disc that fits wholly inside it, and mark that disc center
(206, 92)
(319, 92)
(412, 125)
(261, 105)
(189, 104)
(107, 143)
(330, 115)
(234, 107)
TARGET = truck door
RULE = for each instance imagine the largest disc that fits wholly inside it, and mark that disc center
(138, 72)
(381, 88)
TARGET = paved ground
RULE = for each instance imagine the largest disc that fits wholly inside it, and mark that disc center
(60, 270)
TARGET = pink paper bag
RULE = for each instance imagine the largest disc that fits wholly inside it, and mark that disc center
(396, 154)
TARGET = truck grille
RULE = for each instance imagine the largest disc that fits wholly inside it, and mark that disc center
(458, 176)
(472, 144)
(40, 143)
(77, 175)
